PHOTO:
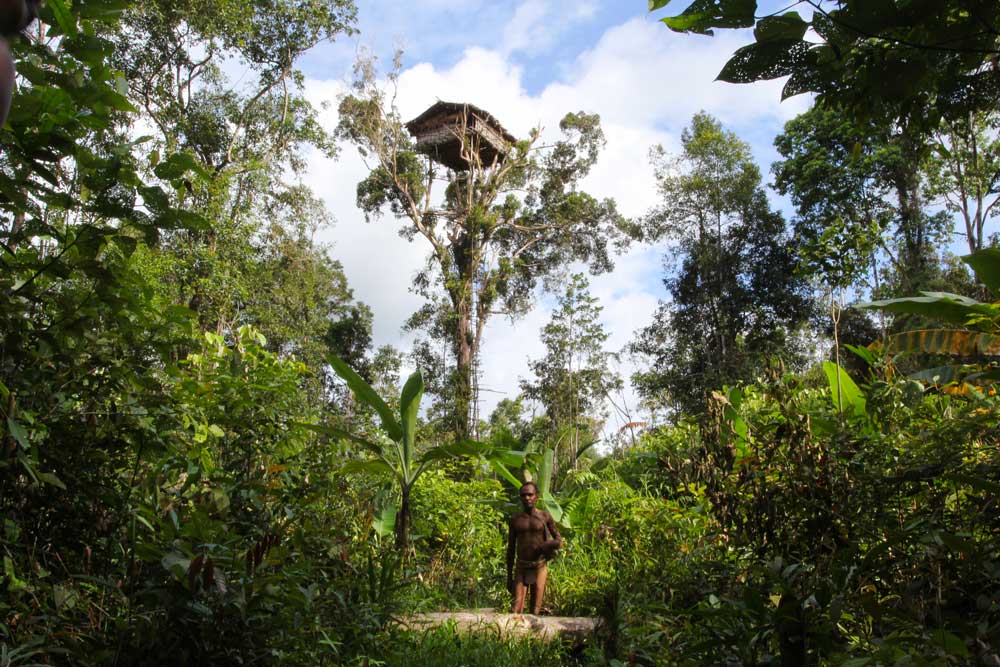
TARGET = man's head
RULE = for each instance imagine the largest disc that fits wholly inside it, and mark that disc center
(529, 495)
(15, 16)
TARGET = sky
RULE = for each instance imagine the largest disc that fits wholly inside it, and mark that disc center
(528, 63)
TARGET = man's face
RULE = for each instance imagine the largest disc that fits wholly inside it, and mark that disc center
(529, 496)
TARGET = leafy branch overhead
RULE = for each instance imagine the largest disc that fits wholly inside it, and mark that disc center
(885, 58)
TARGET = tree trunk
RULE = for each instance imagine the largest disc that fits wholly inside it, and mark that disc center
(791, 632)
(403, 520)
(462, 376)
(912, 219)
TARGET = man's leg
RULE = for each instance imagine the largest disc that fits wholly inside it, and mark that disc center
(538, 590)
(520, 591)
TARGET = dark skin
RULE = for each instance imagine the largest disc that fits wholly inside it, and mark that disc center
(526, 543)
(15, 16)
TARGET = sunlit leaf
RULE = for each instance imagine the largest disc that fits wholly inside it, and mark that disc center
(944, 306)
(364, 393)
(409, 407)
(986, 264)
(844, 393)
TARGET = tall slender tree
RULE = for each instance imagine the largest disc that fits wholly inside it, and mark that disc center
(735, 299)
(574, 377)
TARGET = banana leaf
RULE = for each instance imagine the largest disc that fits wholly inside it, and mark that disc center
(951, 342)
(986, 264)
(364, 393)
(953, 308)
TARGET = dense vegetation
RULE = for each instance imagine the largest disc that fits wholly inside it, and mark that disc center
(204, 461)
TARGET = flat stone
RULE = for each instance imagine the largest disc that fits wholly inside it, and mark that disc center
(577, 628)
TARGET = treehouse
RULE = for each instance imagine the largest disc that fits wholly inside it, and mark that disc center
(453, 134)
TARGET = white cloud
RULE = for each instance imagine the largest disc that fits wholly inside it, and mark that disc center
(537, 25)
(644, 81)
(528, 28)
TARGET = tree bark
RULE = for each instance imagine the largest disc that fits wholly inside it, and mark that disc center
(462, 376)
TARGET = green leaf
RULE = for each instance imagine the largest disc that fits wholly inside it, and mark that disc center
(548, 503)
(465, 448)
(789, 26)
(863, 352)
(545, 467)
(51, 478)
(951, 644)
(385, 523)
(144, 521)
(409, 406)
(703, 15)
(509, 457)
(341, 434)
(657, 4)
(986, 264)
(850, 395)
(374, 466)
(220, 500)
(364, 393)
(176, 563)
(500, 469)
(938, 305)
(64, 19)
(856, 662)
(18, 433)
(765, 60)
(177, 165)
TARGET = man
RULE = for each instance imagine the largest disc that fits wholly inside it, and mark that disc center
(15, 16)
(532, 540)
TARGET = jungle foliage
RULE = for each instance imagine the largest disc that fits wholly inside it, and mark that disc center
(202, 460)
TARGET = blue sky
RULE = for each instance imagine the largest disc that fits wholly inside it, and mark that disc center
(529, 62)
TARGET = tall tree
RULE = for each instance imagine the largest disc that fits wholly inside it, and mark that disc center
(963, 171)
(500, 228)
(256, 260)
(736, 299)
(859, 196)
(574, 377)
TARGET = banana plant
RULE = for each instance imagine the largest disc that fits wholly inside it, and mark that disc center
(978, 341)
(395, 455)
(537, 468)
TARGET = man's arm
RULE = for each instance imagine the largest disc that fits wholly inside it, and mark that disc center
(553, 530)
(511, 550)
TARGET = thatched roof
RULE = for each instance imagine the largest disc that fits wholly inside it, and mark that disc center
(436, 131)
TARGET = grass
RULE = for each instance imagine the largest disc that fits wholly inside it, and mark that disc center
(444, 647)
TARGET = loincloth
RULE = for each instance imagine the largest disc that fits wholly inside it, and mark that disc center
(526, 571)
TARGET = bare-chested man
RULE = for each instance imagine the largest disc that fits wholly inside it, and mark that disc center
(527, 550)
